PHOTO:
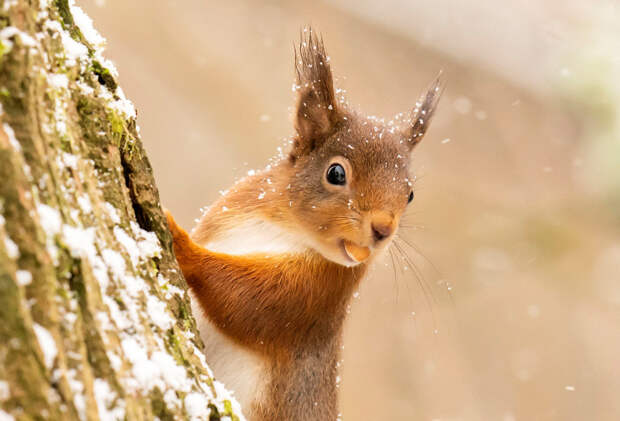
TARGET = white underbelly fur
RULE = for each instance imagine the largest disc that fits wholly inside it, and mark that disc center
(241, 371)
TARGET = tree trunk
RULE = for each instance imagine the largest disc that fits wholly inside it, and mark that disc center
(95, 321)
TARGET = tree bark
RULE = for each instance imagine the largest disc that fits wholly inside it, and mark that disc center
(95, 321)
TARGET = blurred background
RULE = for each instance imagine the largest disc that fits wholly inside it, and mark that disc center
(511, 308)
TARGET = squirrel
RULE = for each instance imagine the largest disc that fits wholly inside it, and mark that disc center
(272, 265)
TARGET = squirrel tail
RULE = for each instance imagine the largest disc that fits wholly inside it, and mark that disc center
(187, 252)
(179, 236)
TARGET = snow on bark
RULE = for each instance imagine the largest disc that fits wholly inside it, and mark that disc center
(95, 321)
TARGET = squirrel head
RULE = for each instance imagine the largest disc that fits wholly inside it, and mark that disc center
(350, 177)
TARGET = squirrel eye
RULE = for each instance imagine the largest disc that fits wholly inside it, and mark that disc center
(410, 197)
(336, 175)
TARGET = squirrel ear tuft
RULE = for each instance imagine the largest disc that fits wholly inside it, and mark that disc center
(316, 112)
(423, 112)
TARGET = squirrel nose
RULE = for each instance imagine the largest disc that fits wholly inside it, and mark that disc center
(381, 231)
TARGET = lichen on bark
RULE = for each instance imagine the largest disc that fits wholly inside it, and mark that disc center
(95, 320)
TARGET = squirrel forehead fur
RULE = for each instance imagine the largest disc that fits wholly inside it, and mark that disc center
(378, 153)
(379, 175)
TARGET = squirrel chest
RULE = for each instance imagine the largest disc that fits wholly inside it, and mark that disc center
(295, 355)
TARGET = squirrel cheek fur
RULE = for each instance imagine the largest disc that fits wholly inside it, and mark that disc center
(274, 262)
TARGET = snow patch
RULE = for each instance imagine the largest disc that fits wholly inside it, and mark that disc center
(173, 374)
(85, 88)
(148, 242)
(11, 135)
(85, 23)
(110, 408)
(115, 262)
(74, 51)
(85, 204)
(8, 4)
(156, 310)
(168, 288)
(196, 406)
(160, 370)
(23, 277)
(5, 416)
(58, 81)
(119, 317)
(5, 390)
(112, 212)
(11, 31)
(68, 160)
(223, 393)
(47, 344)
(80, 241)
(123, 105)
(50, 219)
(135, 285)
(77, 387)
(101, 273)
(11, 248)
(129, 244)
(145, 247)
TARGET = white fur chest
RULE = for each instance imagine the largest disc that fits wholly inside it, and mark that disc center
(241, 371)
(255, 236)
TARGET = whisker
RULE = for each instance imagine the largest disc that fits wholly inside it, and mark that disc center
(426, 289)
(411, 226)
(402, 271)
(417, 272)
(346, 218)
(418, 177)
(410, 215)
(391, 251)
(438, 273)
(354, 209)
(419, 252)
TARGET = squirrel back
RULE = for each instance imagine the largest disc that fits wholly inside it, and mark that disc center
(273, 263)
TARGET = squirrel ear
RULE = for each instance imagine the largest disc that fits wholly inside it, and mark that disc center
(423, 112)
(316, 112)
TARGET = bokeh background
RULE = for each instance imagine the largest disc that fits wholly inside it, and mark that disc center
(510, 308)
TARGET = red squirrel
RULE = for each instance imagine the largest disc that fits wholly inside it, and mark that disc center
(273, 263)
